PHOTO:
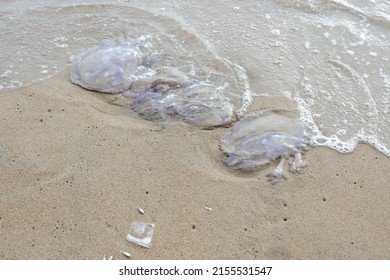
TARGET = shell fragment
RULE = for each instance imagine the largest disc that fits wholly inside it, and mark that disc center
(126, 254)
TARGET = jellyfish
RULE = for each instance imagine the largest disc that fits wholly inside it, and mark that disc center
(261, 138)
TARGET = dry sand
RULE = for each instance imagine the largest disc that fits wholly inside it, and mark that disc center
(75, 168)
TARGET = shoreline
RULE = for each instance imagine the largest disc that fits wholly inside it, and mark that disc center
(74, 170)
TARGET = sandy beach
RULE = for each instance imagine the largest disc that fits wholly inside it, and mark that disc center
(75, 168)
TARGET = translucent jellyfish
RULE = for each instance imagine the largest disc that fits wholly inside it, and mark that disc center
(259, 139)
(171, 94)
(162, 86)
(108, 67)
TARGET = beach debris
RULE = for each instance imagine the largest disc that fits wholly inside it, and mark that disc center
(141, 233)
(261, 138)
(106, 258)
(141, 211)
(208, 208)
(164, 87)
(126, 254)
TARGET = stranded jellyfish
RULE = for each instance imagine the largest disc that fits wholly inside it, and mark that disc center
(159, 89)
(108, 67)
(259, 139)
(171, 94)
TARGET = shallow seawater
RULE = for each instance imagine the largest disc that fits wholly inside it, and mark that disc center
(30, 56)
(331, 57)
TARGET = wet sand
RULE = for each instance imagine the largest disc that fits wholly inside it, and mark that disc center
(75, 168)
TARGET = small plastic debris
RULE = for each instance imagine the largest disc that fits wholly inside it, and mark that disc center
(142, 211)
(208, 208)
(126, 254)
(141, 233)
(110, 258)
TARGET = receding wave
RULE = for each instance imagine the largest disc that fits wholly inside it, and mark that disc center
(30, 56)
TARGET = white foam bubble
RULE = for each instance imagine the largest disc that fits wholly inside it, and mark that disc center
(5, 74)
(317, 138)
(341, 132)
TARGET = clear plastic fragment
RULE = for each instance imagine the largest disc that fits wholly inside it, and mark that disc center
(141, 233)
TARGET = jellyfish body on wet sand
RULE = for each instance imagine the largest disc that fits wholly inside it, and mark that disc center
(107, 68)
(259, 139)
(158, 92)
(171, 94)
